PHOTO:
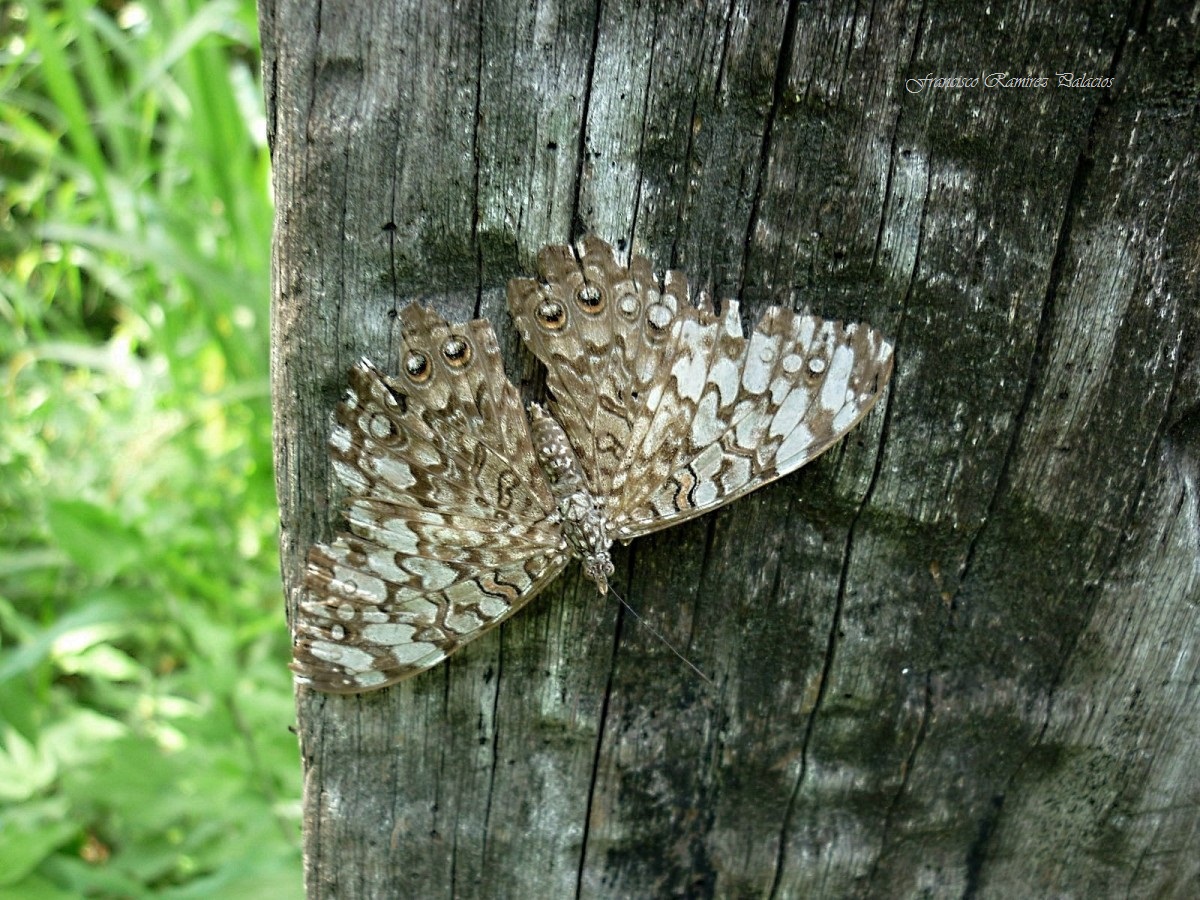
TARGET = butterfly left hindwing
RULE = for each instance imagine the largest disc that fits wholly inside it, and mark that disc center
(451, 527)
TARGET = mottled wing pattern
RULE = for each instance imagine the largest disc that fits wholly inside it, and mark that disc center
(689, 413)
(603, 331)
(449, 514)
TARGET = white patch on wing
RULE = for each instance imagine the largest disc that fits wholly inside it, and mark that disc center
(732, 319)
(383, 563)
(315, 609)
(396, 535)
(748, 434)
(663, 503)
(688, 370)
(362, 584)
(704, 493)
(340, 440)
(351, 477)
(790, 412)
(654, 395)
(806, 328)
(833, 391)
(418, 609)
(796, 443)
(433, 574)
(736, 474)
(379, 427)
(395, 472)
(463, 592)
(724, 374)
(463, 621)
(492, 607)
(845, 417)
(708, 463)
(760, 359)
(461, 537)
(407, 654)
(706, 425)
(351, 658)
(388, 634)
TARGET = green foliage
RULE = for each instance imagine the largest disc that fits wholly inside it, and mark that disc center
(144, 699)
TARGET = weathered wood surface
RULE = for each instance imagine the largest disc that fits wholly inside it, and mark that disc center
(957, 656)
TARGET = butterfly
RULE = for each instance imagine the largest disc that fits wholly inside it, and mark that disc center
(461, 508)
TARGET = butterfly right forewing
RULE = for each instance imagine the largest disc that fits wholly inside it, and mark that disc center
(602, 331)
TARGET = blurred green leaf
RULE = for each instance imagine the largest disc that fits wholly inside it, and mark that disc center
(36, 887)
(93, 537)
(28, 834)
(82, 737)
(103, 661)
(38, 647)
(24, 769)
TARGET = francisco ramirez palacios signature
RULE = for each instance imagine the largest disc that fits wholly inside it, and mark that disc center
(1008, 80)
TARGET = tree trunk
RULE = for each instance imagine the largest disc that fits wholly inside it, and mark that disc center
(957, 655)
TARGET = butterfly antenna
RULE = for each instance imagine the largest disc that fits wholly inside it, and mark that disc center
(691, 665)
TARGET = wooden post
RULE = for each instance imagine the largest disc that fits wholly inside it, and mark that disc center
(955, 656)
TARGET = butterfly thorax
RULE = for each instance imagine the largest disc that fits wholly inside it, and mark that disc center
(584, 524)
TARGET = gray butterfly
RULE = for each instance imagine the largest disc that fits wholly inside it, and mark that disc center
(461, 508)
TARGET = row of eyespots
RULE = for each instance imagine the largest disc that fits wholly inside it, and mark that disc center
(553, 316)
(456, 350)
(659, 316)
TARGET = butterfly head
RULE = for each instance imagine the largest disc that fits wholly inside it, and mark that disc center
(598, 566)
